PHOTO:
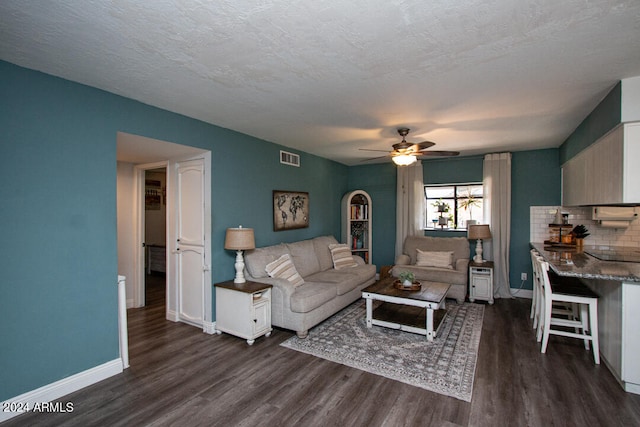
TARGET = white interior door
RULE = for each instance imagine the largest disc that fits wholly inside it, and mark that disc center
(190, 250)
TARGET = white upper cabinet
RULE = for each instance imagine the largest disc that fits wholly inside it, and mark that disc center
(606, 172)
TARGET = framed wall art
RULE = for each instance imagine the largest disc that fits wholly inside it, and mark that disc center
(290, 210)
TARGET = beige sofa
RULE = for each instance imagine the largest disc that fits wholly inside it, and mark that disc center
(325, 290)
(435, 269)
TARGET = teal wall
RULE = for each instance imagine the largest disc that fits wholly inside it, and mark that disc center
(606, 116)
(452, 170)
(379, 180)
(58, 295)
(535, 181)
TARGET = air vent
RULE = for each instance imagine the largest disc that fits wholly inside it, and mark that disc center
(290, 159)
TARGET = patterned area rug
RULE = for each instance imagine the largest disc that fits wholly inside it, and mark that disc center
(446, 366)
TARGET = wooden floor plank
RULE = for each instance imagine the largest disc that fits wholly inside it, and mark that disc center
(181, 376)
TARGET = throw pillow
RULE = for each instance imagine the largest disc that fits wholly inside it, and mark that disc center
(283, 268)
(434, 259)
(342, 257)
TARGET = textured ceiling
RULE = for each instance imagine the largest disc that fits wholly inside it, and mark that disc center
(330, 77)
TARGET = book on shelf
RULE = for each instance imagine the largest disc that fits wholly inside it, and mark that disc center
(359, 212)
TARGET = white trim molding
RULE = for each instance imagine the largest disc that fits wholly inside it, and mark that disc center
(209, 327)
(61, 388)
(172, 315)
(521, 293)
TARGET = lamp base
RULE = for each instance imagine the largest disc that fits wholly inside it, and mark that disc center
(478, 258)
(239, 268)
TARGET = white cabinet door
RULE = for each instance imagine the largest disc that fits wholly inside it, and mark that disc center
(481, 287)
(261, 317)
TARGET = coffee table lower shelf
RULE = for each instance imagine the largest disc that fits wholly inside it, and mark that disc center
(408, 318)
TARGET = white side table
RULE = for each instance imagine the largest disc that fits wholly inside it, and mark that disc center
(481, 281)
(243, 310)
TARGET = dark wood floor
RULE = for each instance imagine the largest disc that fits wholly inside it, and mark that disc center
(181, 376)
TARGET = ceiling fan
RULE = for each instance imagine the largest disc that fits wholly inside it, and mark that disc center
(405, 153)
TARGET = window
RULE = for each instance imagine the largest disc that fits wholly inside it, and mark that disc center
(452, 206)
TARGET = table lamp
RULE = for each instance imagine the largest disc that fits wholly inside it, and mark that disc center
(478, 232)
(239, 239)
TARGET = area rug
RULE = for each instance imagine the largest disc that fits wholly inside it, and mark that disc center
(446, 365)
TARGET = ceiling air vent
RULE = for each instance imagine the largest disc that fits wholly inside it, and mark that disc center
(290, 159)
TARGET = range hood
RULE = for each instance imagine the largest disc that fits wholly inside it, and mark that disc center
(614, 216)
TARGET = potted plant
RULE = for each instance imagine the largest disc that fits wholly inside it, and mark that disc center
(440, 206)
(467, 203)
(407, 278)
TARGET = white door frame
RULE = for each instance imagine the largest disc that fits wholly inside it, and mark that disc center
(139, 252)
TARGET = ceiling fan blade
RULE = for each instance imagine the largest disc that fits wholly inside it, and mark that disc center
(423, 145)
(437, 153)
(371, 149)
(373, 158)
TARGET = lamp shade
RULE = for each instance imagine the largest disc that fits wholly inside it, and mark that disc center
(239, 239)
(404, 159)
(478, 231)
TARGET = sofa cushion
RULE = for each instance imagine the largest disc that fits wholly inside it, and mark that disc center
(256, 260)
(342, 257)
(283, 268)
(458, 245)
(304, 257)
(434, 259)
(321, 245)
(312, 295)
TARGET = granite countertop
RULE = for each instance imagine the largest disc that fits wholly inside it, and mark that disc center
(570, 262)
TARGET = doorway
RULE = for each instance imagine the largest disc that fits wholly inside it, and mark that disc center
(135, 156)
(155, 236)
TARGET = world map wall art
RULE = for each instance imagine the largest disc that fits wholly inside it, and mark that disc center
(290, 210)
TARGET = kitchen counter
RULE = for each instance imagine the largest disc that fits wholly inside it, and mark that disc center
(617, 284)
(569, 262)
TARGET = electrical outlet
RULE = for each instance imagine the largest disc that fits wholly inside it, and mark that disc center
(523, 276)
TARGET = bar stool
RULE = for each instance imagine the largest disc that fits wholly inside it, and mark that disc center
(558, 308)
(535, 300)
(585, 328)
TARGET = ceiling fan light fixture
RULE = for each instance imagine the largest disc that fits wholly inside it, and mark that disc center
(404, 159)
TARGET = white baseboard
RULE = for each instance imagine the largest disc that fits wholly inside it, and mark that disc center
(209, 328)
(632, 388)
(522, 293)
(172, 316)
(130, 303)
(62, 387)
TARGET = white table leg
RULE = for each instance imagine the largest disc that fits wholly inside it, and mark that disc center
(369, 312)
(429, 325)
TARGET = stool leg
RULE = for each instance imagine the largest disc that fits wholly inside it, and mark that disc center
(584, 318)
(593, 320)
(546, 326)
(541, 318)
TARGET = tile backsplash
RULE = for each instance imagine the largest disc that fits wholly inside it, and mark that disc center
(542, 216)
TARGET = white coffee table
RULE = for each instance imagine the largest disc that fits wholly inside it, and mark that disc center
(401, 313)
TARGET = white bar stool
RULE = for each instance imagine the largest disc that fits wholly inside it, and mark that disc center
(585, 328)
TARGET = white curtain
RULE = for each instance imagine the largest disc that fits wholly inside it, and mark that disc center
(497, 212)
(410, 209)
